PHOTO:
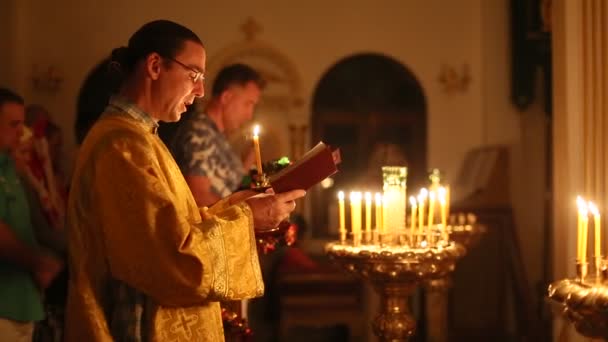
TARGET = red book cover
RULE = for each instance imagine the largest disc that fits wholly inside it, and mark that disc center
(314, 166)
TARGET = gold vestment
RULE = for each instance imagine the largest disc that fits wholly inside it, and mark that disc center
(133, 221)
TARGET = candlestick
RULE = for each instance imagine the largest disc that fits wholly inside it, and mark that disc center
(379, 218)
(342, 214)
(580, 203)
(444, 216)
(256, 146)
(597, 236)
(413, 219)
(355, 214)
(368, 216)
(421, 200)
(447, 200)
(429, 232)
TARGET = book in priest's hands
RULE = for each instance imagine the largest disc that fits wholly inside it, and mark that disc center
(314, 166)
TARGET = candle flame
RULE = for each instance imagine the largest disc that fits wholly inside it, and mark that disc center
(378, 198)
(441, 191)
(368, 196)
(424, 193)
(341, 195)
(582, 205)
(413, 201)
(593, 209)
(355, 196)
(256, 130)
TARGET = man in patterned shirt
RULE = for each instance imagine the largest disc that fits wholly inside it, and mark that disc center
(212, 168)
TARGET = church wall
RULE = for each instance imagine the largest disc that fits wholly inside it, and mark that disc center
(421, 34)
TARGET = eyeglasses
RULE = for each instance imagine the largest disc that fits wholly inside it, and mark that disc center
(196, 76)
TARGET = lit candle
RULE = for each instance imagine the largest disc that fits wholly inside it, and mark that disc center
(444, 216)
(429, 231)
(368, 213)
(413, 218)
(447, 201)
(342, 216)
(580, 203)
(596, 229)
(431, 207)
(421, 199)
(379, 218)
(256, 146)
(355, 214)
(585, 235)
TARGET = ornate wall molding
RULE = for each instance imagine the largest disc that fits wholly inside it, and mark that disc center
(284, 85)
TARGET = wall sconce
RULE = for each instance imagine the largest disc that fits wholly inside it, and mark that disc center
(453, 80)
(47, 80)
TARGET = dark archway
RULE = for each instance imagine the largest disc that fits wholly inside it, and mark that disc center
(374, 109)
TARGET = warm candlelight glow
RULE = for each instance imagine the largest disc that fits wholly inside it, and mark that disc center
(368, 212)
(256, 146)
(379, 218)
(342, 210)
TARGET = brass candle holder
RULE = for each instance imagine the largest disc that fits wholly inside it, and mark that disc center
(585, 304)
(395, 272)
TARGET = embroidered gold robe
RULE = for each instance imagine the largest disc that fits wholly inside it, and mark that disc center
(132, 220)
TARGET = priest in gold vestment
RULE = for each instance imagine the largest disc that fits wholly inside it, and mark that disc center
(145, 263)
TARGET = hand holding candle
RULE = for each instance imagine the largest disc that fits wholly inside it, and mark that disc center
(256, 146)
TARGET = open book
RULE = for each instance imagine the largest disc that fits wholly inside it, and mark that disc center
(314, 166)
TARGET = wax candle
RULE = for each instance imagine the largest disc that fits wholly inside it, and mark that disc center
(379, 218)
(256, 147)
(342, 214)
(368, 213)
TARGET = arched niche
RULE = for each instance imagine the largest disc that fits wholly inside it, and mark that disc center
(373, 108)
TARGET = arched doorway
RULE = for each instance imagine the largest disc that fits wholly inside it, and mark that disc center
(373, 108)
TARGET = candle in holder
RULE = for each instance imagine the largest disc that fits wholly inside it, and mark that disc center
(431, 207)
(421, 200)
(580, 203)
(355, 214)
(413, 218)
(429, 231)
(379, 218)
(597, 233)
(585, 235)
(341, 210)
(444, 216)
(256, 146)
(368, 214)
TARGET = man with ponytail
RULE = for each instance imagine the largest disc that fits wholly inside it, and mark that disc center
(147, 264)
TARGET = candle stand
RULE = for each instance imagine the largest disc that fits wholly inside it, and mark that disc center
(395, 272)
(584, 303)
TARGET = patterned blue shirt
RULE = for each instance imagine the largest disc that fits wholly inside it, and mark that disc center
(200, 149)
